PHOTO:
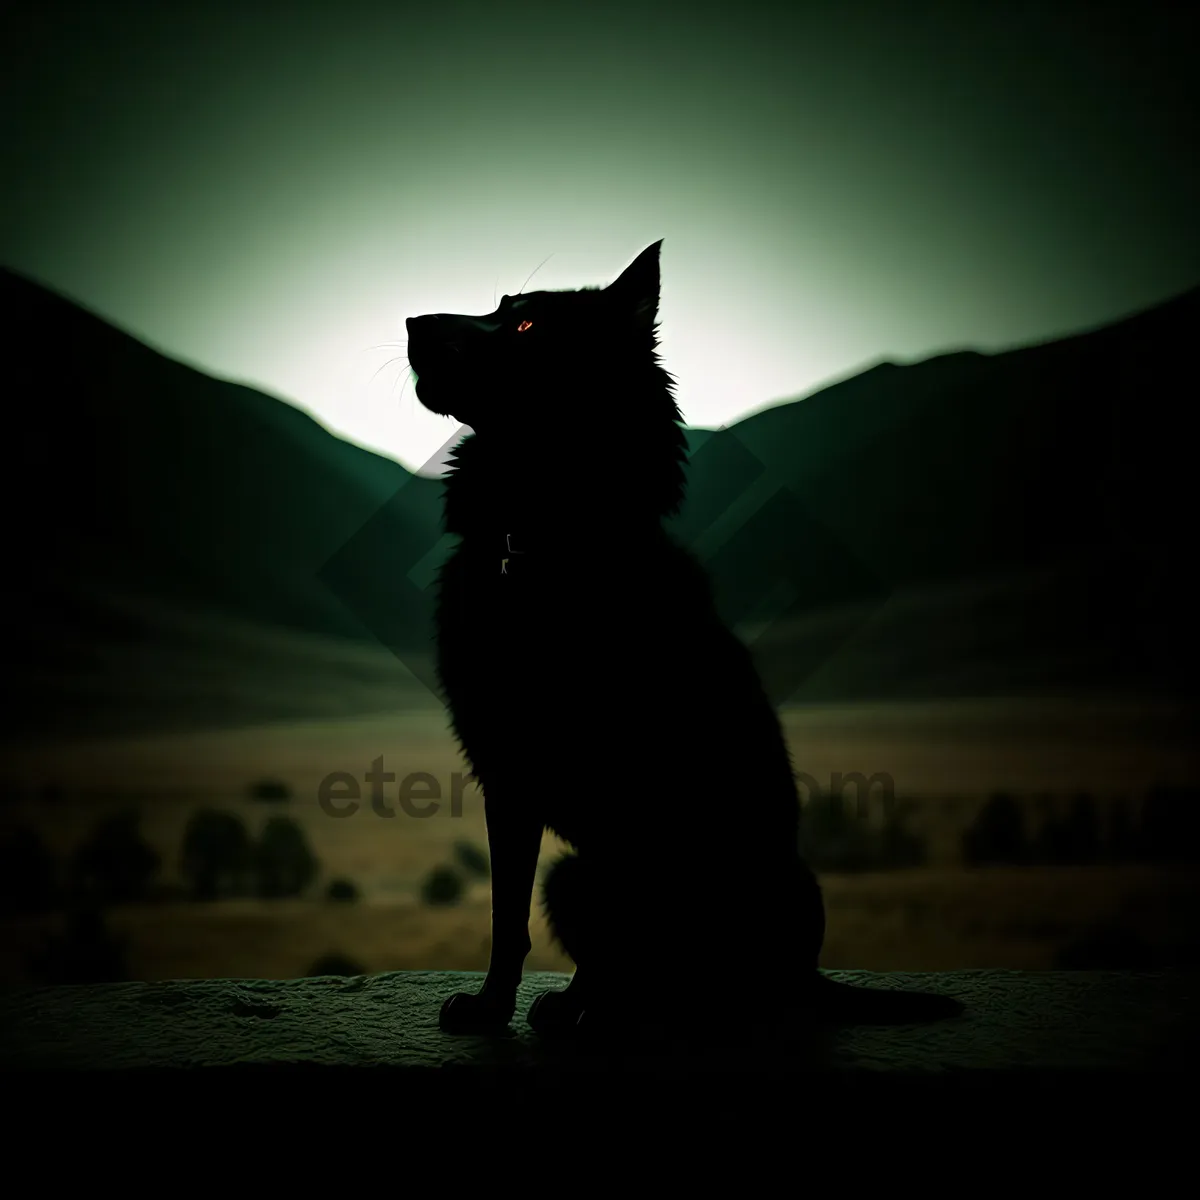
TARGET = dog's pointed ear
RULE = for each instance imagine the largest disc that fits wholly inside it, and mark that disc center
(637, 287)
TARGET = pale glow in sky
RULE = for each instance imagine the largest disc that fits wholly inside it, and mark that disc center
(723, 365)
(356, 391)
(736, 333)
(267, 200)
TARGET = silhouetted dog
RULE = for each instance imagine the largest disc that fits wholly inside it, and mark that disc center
(596, 691)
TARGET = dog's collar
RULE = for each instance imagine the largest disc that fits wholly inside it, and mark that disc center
(509, 553)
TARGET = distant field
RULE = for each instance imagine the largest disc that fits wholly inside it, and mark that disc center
(926, 919)
(950, 756)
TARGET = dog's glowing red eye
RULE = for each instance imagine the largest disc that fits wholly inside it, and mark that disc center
(524, 325)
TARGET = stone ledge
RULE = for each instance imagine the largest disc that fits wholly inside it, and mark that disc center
(1033, 1031)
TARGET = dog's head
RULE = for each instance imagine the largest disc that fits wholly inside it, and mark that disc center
(518, 364)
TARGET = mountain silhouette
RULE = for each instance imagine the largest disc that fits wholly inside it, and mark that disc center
(974, 524)
(167, 531)
(193, 553)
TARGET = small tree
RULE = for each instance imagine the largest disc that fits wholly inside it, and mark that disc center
(1121, 844)
(997, 835)
(1051, 843)
(472, 859)
(1082, 831)
(443, 886)
(116, 864)
(342, 891)
(284, 864)
(896, 844)
(831, 838)
(216, 855)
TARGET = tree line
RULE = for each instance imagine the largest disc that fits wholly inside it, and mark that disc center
(1164, 829)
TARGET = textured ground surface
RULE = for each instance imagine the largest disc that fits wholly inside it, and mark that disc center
(1051, 1024)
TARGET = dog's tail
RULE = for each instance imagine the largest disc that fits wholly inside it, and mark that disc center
(843, 1003)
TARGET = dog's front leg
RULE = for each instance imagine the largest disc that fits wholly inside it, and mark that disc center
(514, 840)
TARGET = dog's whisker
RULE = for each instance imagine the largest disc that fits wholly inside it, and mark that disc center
(535, 271)
(398, 358)
(406, 379)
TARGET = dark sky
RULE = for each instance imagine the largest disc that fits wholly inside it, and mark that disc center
(267, 190)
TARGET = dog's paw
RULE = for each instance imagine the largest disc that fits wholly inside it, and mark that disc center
(483, 1012)
(554, 1013)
